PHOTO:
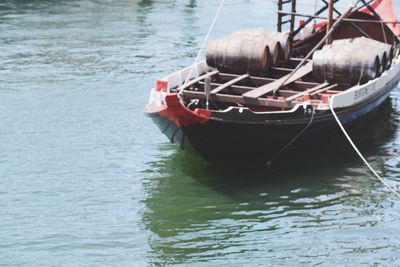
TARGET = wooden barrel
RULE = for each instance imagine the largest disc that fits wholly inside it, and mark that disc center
(274, 45)
(384, 51)
(282, 38)
(390, 57)
(345, 65)
(365, 66)
(238, 54)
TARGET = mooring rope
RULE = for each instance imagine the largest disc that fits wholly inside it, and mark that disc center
(269, 163)
(389, 187)
(203, 45)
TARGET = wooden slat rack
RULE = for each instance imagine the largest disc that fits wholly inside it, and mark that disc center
(246, 89)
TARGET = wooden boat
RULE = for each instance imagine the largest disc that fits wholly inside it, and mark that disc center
(227, 115)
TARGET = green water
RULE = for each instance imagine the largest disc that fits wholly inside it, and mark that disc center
(87, 180)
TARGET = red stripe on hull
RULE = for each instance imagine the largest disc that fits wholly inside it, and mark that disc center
(182, 116)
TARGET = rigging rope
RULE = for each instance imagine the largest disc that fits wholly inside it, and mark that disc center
(389, 187)
(203, 45)
(315, 6)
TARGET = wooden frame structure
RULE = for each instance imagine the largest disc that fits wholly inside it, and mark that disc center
(249, 90)
(282, 14)
(328, 5)
(281, 86)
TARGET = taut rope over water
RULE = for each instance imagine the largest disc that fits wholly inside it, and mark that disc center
(389, 187)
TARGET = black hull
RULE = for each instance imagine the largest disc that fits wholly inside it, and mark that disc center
(218, 140)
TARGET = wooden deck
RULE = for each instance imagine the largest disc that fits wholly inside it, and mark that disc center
(270, 87)
(251, 90)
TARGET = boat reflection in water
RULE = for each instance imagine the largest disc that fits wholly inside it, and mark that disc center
(249, 215)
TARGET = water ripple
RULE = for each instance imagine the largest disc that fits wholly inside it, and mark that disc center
(87, 180)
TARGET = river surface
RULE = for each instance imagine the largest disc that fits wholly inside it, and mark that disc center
(87, 180)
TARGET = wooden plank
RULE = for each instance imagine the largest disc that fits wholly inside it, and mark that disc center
(231, 82)
(265, 80)
(270, 87)
(236, 89)
(281, 69)
(240, 89)
(196, 80)
(240, 100)
(229, 76)
(301, 94)
(323, 89)
(300, 86)
(296, 59)
(287, 93)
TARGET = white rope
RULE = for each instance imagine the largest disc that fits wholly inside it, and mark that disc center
(389, 187)
(315, 6)
(384, 32)
(203, 45)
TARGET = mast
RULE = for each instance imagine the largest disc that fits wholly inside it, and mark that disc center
(292, 19)
(280, 5)
(330, 21)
